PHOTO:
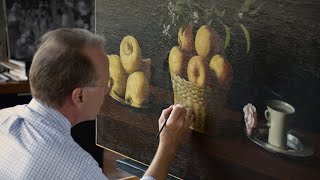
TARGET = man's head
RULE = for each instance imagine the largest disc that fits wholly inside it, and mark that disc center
(66, 63)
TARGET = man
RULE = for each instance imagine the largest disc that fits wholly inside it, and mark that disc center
(68, 83)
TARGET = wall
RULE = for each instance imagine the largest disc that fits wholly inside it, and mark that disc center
(282, 63)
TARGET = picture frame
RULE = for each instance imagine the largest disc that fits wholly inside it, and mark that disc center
(28, 21)
(3, 32)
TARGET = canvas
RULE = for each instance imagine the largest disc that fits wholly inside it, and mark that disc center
(248, 52)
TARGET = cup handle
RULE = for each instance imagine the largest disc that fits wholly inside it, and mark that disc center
(267, 115)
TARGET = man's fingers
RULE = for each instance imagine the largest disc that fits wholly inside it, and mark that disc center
(176, 112)
(165, 114)
(189, 117)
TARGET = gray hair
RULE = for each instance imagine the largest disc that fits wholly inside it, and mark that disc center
(59, 65)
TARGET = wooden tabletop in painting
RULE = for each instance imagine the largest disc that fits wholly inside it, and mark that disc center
(13, 87)
(230, 155)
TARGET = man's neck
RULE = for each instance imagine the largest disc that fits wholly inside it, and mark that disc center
(70, 112)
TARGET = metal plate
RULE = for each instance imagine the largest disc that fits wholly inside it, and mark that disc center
(297, 145)
(128, 103)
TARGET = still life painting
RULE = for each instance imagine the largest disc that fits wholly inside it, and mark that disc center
(242, 66)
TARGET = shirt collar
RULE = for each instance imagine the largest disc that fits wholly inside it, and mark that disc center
(49, 112)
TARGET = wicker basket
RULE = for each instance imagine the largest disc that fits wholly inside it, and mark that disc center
(206, 102)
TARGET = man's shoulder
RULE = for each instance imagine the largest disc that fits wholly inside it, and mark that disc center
(10, 111)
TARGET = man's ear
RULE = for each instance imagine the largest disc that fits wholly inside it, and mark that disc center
(77, 96)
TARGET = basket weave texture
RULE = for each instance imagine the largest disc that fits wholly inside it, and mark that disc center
(206, 103)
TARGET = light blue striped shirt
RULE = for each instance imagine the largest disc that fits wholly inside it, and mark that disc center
(35, 143)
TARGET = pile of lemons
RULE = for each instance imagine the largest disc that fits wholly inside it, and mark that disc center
(130, 74)
(199, 60)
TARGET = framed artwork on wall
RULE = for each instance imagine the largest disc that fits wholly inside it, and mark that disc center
(29, 20)
(3, 32)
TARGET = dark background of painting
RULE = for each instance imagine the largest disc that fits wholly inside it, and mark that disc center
(283, 62)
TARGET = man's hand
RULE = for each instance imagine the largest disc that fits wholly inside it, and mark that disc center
(178, 121)
(177, 125)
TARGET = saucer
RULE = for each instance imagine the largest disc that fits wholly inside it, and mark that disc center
(297, 145)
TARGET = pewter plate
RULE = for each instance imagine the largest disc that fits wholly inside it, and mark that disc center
(297, 145)
(128, 103)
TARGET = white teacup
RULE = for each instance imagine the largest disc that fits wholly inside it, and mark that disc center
(279, 115)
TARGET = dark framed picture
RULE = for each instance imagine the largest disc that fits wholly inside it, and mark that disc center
(3, 32)
(29, 20)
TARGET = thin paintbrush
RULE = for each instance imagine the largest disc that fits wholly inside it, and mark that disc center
(165, 122)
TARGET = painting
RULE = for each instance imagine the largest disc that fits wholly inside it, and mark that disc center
(214, 57)
(3, 33)
(28, 21)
